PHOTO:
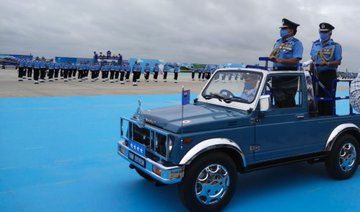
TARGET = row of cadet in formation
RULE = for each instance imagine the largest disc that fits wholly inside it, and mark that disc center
(37, 70)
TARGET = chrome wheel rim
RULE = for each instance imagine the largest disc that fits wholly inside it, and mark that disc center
(347, 157)
(212, 184)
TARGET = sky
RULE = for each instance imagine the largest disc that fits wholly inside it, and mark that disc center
(193, 31)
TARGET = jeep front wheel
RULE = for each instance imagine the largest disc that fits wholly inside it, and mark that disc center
(343, 159)
(209, 183)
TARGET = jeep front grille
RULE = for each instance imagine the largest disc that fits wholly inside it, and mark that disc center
(155, 140)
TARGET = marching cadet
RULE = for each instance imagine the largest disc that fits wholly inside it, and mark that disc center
(286, 55)
(127, 68)
(155, 71)
(81, 72)
(21, 69)
(86, 71)
(166, 70)
(62, 70)
(29, 67)
(105, 72)
(66, 71)
(117, 72)
(57, 68)
(93, 72)
(112, 72)
(147, 72)
(43, 69)
(192, 73)
(200, 70)
(75, 68)
(136, 72)
(37, 66)
(70, 70)
(176, 72)
(122, 73)
(97, 72)
(51, 65)
(326, 56)
(207, 73)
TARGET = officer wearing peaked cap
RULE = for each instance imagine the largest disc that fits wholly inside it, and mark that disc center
(287, 51)
(286, 55)
(326, 56)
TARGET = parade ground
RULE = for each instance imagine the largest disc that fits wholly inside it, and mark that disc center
(58, 152)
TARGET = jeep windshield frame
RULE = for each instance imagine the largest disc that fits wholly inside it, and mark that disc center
(241, 86)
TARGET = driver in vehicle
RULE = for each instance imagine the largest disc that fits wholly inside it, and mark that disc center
(250, 87)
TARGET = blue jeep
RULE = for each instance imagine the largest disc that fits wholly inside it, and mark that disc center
(235, 125)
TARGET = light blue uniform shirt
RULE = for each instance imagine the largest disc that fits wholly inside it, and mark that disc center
(288, 48)
(329, 51)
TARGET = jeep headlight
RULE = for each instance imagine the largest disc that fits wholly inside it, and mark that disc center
(170, 144)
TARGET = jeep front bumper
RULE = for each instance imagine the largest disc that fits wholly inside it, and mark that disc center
(161, 173)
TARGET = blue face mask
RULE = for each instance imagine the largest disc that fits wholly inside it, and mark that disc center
(324, 36)
(283, 32)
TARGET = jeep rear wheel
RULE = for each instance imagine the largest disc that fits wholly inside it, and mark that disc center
(209, 183)
(343, 159)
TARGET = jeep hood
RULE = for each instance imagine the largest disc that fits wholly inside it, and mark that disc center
(196, 118)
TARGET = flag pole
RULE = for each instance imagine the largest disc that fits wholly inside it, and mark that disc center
(182, 115)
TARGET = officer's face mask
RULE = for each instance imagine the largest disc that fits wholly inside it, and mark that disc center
(283, 32)
(324, 36)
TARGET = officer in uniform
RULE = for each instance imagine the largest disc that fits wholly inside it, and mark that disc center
(57, 68)
(37, 66)
(200, 70)
(43, 69)
(166, 70)
(147, 72)
(136, 73)
(21, 69)
(176, 72)
(326, 56)
(51, 65)
(127, 69)
(93, 72)
(122, 72)
(155, 71)
(286, 55)
(192, 73)
(112, 68)
(117, 71)
(29, 67)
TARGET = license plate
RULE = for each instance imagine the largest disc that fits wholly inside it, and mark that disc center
(137, 159)
(137, 147)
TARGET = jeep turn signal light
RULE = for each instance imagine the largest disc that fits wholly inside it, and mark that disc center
(156, 170)
(121, 149)
(187, 140)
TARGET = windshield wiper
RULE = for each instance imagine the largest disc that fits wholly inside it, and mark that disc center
(239, 99)
(218, 96)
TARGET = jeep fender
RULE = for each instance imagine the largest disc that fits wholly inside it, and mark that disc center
(211, 144)
(342, 128)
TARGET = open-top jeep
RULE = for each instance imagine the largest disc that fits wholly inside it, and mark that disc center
(234, 126)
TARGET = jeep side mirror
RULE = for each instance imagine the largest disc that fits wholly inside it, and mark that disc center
(265, 102)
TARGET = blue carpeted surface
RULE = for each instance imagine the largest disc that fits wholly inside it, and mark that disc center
(59, 154)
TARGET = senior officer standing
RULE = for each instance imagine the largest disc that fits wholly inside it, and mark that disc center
(326, 57)
(286, 55)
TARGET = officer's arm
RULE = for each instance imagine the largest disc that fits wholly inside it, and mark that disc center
(338, 55)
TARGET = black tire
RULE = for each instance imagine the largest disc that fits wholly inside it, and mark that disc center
(343, 159)
(144, 175)
(220, 166)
